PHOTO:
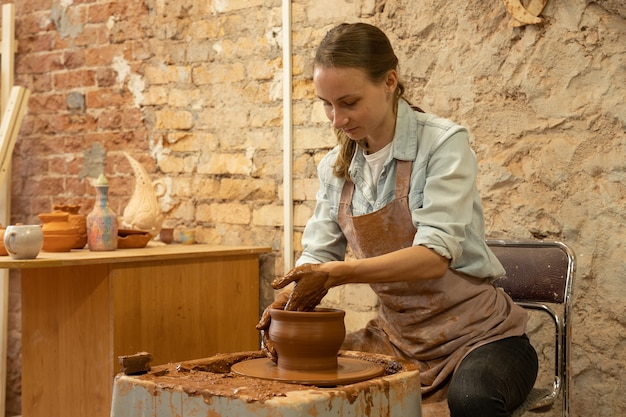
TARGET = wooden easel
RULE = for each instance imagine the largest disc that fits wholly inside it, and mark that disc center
(13, 101)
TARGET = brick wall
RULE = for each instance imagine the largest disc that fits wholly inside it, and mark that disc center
(192, 89)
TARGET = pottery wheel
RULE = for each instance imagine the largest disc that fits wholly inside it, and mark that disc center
(349, 371)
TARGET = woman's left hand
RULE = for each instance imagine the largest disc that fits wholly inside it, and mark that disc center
(310, 286)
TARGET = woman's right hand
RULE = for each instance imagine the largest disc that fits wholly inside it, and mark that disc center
(264, 324)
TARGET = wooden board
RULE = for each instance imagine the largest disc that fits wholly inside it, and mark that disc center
(8, 47)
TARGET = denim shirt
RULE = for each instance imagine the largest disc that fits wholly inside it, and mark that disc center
(443, 198)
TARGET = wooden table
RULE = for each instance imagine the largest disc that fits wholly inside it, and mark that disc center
(82, 309)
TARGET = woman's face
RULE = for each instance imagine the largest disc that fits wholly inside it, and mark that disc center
(353, 103)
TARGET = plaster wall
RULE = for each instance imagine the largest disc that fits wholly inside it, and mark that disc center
(193, 89)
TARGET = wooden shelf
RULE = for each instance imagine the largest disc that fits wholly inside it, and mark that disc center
(81, 310)
(164, 252)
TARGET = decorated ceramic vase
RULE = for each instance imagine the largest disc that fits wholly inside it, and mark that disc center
(102, 221)
(143, 211)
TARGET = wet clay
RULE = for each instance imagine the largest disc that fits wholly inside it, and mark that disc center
(212, 377)
(346, 371)
(307, 340)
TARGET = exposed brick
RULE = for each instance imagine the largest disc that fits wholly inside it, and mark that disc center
(65, 80)
(48, 103)
(98, 55)
(224, 163)
(247, 189)
(268, 215)
(74, 59)
(301, 214)
(174, 119)
(101, 12)
(106, 97)
(42, 62)
(38, 42)
(230, 213)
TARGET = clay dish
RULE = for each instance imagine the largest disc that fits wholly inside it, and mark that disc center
(59, 243)
(127, 238)
(307, 340)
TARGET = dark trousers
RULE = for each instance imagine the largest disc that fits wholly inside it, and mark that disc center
(494, 379)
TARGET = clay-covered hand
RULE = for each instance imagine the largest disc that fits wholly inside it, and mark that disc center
(310, 286)
(264, 325)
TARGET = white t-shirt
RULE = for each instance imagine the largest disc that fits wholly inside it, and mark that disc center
(374, 166)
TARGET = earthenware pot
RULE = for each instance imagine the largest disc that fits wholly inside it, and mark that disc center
(57, 223)
(307, 340)
(166, 235)
(3, 250)
(76, 220)
(59, 243)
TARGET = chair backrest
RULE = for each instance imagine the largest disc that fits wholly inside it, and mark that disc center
(539, 275)
(535, 270)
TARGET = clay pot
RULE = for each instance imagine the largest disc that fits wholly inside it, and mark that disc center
(76, 220)
(307, 340)
(166, 235)
(57, 223)
(59, 243)
(59, 235)
(3, 250)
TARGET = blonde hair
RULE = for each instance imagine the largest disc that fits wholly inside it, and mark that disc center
(362, 46)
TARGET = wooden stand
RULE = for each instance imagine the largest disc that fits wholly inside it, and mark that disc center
(82, 310)
(13, 101)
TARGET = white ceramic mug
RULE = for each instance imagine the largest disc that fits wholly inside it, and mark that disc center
(23, 241)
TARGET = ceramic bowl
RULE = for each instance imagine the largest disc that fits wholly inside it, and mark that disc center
(307, 340)
(127, 239)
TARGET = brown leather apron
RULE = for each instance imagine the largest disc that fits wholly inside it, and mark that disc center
(433, 322)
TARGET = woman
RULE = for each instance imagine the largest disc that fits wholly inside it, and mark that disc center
(400, 190)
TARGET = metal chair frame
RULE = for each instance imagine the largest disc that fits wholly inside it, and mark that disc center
(540, 286)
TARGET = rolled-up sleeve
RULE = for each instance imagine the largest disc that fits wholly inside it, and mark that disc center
(323, 240)
(443, 207)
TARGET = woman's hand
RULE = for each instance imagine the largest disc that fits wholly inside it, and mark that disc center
(310, 286)
(264, 325)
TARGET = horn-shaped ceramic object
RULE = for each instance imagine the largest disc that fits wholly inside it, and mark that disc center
(143, 211)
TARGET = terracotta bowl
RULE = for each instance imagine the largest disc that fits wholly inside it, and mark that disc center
(127, 238)
(307, 340)
(59, 243)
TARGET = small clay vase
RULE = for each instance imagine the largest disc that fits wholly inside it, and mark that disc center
(166, 235)
(307, 340)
